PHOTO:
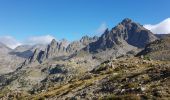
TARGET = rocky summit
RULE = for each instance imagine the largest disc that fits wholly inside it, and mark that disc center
(127, 62)
(127, 32)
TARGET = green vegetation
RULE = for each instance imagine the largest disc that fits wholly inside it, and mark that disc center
(102, 67)
(116, 76)
(131, 85)
(128, 79)
(122, 97)
(3, 92)
(146, 57)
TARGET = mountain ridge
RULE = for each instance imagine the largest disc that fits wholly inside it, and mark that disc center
(91, 68)
(126, 31)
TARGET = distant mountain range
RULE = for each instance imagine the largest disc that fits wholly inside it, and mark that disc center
(125, 37)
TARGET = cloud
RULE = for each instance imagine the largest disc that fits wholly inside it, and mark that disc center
(9, 41)
(160, 28)
(101, 29)
(12, 43)
(46, 39)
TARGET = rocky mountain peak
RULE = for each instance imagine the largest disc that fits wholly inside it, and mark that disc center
(127, 32)
(64, 43)
(126, 20)
(4, 48)
(84, 38)
(134, 33)
(34, 57)
(83, 42)
(95, 38)
(53, 43)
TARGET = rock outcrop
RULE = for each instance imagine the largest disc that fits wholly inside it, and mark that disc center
(125, 32)
(78, 45)
(58, 49)
(158, 49)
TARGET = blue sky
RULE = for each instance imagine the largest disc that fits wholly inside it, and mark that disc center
(71, 19)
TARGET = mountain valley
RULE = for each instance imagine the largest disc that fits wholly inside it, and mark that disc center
(127, 62)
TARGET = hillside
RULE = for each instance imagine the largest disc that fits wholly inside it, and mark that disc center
(102, 67)
(158, 50)
(122, 78)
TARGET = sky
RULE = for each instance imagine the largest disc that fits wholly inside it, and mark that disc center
(40, 21)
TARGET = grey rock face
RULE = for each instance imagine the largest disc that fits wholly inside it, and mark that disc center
(57, 49)
(8, 62)
(64, 43)
(138, 36)
(35, 56)
(25, 51)
(78, 45)
(85, 40)
(126, 31)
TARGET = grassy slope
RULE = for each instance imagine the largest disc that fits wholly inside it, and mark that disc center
(132, 78)
(127, 74)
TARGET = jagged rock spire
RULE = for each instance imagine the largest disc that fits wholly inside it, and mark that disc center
(64, 43)
(126, 20)
(53, 43)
